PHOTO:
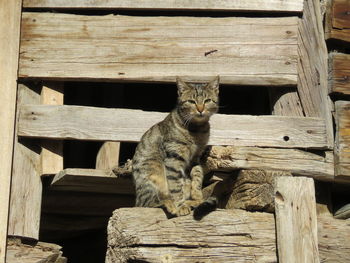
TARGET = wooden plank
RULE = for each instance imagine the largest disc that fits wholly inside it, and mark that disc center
(285, 102)
(52, 151)
(10, 13)
(92, 180)
(297, 162)
(244, 236)
(337, 24)
(135, 48)
(18, 252)
(313, 67)
(26, 186)
(339, 73)
(108, 155)
(296, 220)
(205, 5)
(342, 141)
(89, 123)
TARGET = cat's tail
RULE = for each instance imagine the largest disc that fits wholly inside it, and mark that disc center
(205, 208)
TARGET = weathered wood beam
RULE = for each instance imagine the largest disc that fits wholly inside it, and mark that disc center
(91, 180)
(223, 235)
(296, 221)
(26, 186)
(51, 155)
(131, 48)
(339, 73)
(18, 252)
(108, 155)
(205, 5)
(10, 13)
(89, 123)
(285, 102)
(313, 67)
(337, 25)
(342, 142)
(298, 162)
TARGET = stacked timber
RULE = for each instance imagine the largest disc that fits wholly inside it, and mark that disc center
(282, 48)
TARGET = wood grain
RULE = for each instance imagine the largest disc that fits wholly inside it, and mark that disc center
(51, 155)
(285, 102)
(134, 48)
(337, 25)
(313, 67)
(342, 141)
(229, 235)
(10, 13)
(205, 5)
(339, 73)
(296, 161)
(296, 220)
(108, 155)
(92, 180)
(89, 123)
(26, 186)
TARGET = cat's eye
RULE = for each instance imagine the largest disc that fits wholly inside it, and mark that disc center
(207, 101)
(191, 101)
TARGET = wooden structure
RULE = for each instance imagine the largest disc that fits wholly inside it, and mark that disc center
(283, 48)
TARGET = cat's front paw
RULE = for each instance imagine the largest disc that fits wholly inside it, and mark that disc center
(170, 207)
(183, 210)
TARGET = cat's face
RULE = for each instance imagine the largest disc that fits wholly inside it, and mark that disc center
(197, 102)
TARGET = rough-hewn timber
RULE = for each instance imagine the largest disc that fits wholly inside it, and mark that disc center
(10, 13)
(159, 48)
(224, 235)
(342, 142)
(205, 5)
(337, 24)
(339, 73)
(89, 123)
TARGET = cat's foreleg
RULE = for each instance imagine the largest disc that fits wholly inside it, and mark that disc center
(197, 174)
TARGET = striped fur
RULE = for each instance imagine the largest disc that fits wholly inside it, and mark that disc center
(166, 165)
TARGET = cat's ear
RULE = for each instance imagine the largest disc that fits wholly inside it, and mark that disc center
(214, 85)
(181, 86)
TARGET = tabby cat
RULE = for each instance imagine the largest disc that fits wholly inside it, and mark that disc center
(166, 165)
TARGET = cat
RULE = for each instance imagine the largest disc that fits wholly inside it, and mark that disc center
(166, 165)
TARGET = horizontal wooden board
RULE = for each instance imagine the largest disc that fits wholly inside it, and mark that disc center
(207, 5)
(92, 180)
(101, 124)
(339, 76)
(130, 48)
(342, 142)
(317, 165)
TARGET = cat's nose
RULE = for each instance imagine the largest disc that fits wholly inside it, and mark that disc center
(200, 107)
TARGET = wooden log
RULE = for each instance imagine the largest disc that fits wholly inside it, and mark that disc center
(108, 155)
(296, 220)
(339, 73)
(298, 162)
(147, 235)
(18, 252)
(52, 151)
(337, 25)
(206, 5)
(26, 186)
(131, 48)
(342, 142)
(226, 235)
(285, 102)
(10, 13)
(91, 180)
(88, 123)
(313, 67)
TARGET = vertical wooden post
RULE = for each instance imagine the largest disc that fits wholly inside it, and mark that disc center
(296, 220)
(285, 102)
(26, 187)
(52, 151)
(108, 155)
(10, 13)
